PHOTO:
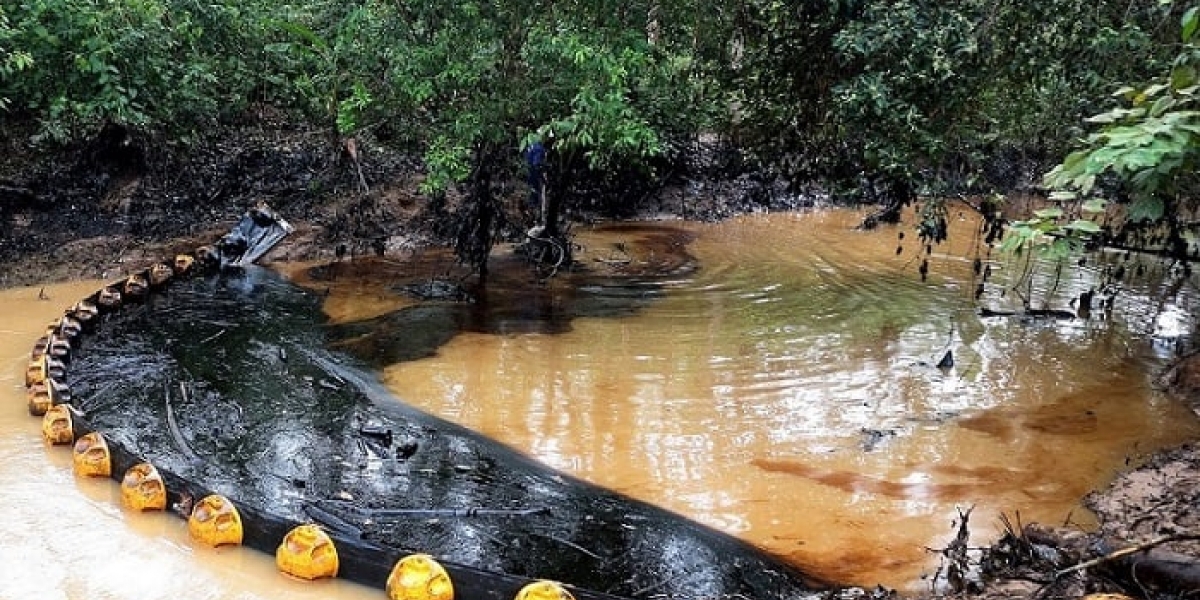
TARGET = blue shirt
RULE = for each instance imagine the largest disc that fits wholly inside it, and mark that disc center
(535, 154)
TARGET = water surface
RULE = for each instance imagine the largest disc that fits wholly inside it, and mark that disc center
(785, 391)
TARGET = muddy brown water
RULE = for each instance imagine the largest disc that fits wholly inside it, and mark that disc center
(783, 392)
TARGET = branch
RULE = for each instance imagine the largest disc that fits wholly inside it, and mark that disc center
(1124, 552)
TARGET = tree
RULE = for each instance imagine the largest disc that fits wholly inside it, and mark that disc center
(1130, 183)
(150, 63)
(1141, 161)
(492, 78)
(1144, 155)
(886, 100)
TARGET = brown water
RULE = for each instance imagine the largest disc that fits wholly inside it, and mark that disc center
(744, 397)
(784, 393)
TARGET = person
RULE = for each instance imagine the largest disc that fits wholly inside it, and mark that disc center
(535, 159)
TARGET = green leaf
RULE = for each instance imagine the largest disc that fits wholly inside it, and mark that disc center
(1161, 106)
(1094, 205)
(1085, 182)
(1074, 161)
(1060, 248)
(1018, 237)
(1049, 213)
(301, 32)
(1103, 159)
(1146, 209)
(1083, 226)
(1148, 93)
(1189, 22)
(1183, 77)
(1126, 91)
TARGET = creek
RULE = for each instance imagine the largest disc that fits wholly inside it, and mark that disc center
(783, 390)
(786, 391)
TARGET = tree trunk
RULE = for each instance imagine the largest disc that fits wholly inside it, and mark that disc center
(474, 242)
(653, 26)
(550, 211)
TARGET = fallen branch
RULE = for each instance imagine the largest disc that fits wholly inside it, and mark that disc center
(1127, 551)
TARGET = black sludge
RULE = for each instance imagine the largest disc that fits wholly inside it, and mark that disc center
(225, 382)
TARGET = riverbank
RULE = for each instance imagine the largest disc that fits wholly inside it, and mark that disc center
(122, 199)
(102, 211)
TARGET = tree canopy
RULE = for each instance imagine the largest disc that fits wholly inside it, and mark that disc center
(874, 100)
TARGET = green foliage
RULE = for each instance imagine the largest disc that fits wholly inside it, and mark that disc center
(329, 53)
(1050, 232)
(94, 59)
(901, 95)
(1145, 150)
(12, 59)
(913, 63)
(135, 62)
(448, 164)
(589, 84)
(930, 92)
(601, 121)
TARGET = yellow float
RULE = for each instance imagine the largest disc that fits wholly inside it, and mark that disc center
(35, 373)
(215, 521)
(42, 396)
(39, 347)
(544, 590)
(136, 286)
(419, 577)
(159, 274)
(39, 398)
(92, 458)
(183, 264)
(143, 488)
(308, 553)
(57, 426)
(109, 298)
(42, 366)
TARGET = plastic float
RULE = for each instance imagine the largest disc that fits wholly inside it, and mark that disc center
(544, 590)
(334, 535)
(57, 428)
(307, 552)
(419, 577)
(216, 521)
(143, 489)
(92, 457)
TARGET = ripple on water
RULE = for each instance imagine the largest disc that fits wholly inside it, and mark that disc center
(785, 390)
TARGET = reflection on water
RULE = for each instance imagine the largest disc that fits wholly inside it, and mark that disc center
(786, 392)
(66, 538)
